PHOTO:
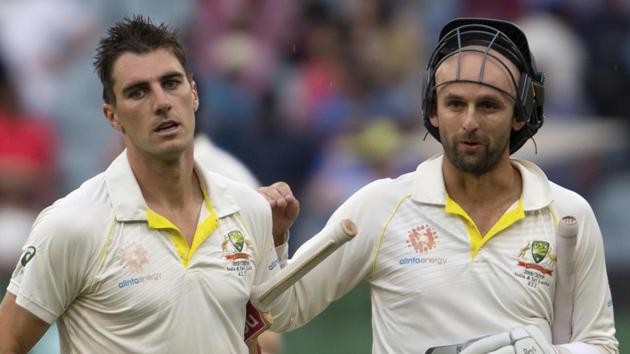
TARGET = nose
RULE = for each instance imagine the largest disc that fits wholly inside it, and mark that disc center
(469, 122)
(161, 101)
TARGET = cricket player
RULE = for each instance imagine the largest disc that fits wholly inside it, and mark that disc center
(463, 249)
(156, 254)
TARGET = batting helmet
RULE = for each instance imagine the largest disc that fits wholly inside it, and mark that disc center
(470, 34)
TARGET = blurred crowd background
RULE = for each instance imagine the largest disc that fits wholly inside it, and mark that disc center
(324, 95)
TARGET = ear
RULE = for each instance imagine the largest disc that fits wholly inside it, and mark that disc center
(433, 118)
(112, 118)
(517, 125)
(195, 95)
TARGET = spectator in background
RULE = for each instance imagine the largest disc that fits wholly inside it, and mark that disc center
(222, 162)
(28, 170)
(606, 32)
(562, 55)
(39, 38)
(348, 162)
(241, 33)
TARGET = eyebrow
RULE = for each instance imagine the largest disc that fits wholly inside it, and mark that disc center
(499, 96)
(144, 83)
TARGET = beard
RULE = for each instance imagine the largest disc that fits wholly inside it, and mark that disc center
(481, 162)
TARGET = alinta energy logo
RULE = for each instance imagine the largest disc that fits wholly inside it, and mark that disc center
(134, 256)
(422, 239)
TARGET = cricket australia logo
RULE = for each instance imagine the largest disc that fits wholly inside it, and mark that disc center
(539, 250)
(133, 257)
(235, 246)
(538, 263)
(238, 250)
(422, 238)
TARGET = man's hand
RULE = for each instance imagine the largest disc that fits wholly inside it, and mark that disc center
(284, 208)
(522, 340)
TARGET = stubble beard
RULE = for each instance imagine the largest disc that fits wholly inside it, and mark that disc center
(478, 164)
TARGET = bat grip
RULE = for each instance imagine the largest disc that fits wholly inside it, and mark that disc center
(565, 280)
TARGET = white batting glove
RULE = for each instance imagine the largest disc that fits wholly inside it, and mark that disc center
(522, 340)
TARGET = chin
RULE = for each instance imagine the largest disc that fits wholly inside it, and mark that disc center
(173, 150)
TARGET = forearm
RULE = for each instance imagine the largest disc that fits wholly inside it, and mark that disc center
(8, 344)
(19, 329)
(10, 349)
(337, 273)
(311, 294)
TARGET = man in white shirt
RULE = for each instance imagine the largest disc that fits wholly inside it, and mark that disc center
(156, 254)
(222, 162)
(464, 249)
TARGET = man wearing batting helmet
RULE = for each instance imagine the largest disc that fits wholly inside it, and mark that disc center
(461, 255)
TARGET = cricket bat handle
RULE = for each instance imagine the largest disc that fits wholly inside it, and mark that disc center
(566, 241)
(317, 249)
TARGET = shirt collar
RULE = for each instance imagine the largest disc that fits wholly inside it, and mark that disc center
(429, 182)
(124, 191)
(429, 185)
(217, 190)
(536, 187)
(128, 202)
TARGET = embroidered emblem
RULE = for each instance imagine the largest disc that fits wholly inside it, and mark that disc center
(238, 251)
(235, 246)
(543, 260)
(538, 261)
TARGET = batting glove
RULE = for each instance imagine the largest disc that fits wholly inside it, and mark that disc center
(522, 340)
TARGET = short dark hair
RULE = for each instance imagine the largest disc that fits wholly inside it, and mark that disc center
(136, 35)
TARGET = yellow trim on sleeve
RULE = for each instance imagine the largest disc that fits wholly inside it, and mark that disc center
(202, 232)
(108, 239)
(102, 255)
(476, 239)
(554, 216)
(382, 235)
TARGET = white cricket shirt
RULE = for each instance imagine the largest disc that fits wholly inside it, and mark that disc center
(120, 278)
(436, 281)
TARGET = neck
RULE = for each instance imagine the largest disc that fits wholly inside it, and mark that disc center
(501, 183)
(164, 183)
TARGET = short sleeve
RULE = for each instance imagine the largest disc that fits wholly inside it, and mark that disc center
(52, 270)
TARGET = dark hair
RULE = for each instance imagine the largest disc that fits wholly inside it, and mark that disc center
(508, 40)
(136, 35)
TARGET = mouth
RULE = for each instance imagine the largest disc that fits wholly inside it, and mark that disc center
(470, 145)
(166, 127)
